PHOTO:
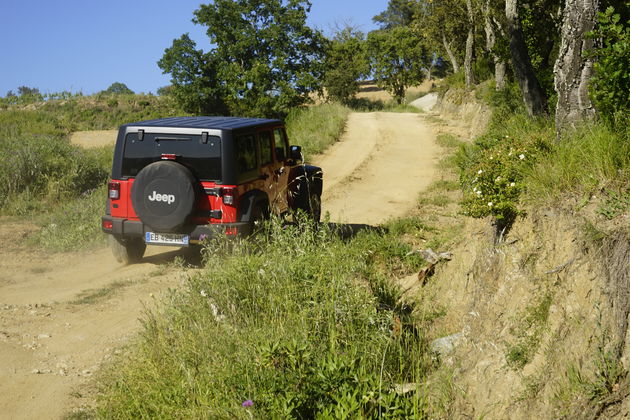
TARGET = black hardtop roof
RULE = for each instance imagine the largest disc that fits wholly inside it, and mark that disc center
(216, 123)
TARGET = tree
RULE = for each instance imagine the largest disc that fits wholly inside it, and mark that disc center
(397, 59)
(470, 46)
(574, 65)
(610, 85)
(533, 95)
(118, 88)
(194, 81)
(264, 61)
(398, 13)
(439, 24)
(28, 91)
(346, 62)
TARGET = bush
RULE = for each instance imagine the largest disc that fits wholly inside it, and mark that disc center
(316, 127)
(298, 325)
(494, 166)
(610, 83)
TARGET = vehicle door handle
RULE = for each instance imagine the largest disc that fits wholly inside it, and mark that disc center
(263, 176)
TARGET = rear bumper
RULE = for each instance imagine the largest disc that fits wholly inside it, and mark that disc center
(135, 229)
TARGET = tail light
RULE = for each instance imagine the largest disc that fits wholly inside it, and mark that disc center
(114, 190)
(108, 225)
(231, 231)
(228, 193)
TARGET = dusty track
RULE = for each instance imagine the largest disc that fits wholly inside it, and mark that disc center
(62, 315)
(379, 167)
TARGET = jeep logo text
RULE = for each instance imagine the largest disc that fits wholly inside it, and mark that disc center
(167, 198)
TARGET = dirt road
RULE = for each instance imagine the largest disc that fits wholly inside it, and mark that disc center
(379, 167)
(62, 315)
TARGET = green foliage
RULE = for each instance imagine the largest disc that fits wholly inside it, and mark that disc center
(195, 85)
(615, 203)
(610, 85)
(398, 13)
(590, 159)
(316, 127)
(528, 332)
(494, 167)
(265, 59)
(296, 324)
(397, 58)
(118, 88)
(48, 169)
(346, 62)
(73, 224)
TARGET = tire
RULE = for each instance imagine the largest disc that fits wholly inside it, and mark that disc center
(311, 204)
(164, 195)
(255, 219)
(127, 251)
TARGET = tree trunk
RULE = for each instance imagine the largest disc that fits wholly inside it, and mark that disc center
(533, 96)
(573, 69)
(450, 54)
(491, 40)
(470, 47)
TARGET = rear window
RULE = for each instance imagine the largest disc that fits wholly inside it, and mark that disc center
(203, 159)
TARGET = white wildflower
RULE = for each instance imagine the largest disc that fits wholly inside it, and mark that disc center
(478, 192)
(512, 184)
(521, 156)
(498, 179)
(490, 204)
(480, 171)
(203, 293)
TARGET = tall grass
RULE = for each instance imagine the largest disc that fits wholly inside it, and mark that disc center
(296, 325)
(316, 127)
(590, 159)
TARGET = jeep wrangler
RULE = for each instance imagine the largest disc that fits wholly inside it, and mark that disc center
(177, 181)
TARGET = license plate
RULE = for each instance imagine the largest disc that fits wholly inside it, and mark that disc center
(166, 239)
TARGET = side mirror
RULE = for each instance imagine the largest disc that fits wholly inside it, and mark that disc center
(296, 154)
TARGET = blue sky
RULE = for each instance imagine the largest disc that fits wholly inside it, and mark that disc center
(87, 45)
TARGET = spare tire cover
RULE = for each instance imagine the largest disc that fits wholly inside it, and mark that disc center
(163, 195)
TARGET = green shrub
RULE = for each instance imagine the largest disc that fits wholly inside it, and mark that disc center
(590, 159)
(610, 84)
(48, 168)
(296, 324)
(494, 166)
(316, 127)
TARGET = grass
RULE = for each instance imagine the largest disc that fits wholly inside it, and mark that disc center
(73, 225)
(316, 127)
(528, 332)
(591, 159)
(297, 323)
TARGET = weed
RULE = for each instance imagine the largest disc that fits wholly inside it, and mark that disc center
(296, 323)
(448, 140)
(614, 204)
(317, 127)
(528, 332)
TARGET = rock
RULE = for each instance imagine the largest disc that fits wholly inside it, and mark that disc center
(36, 371)
(446, 345)
(42, 336)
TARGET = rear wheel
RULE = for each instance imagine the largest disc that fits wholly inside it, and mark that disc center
(127, 251)
(311, 204)
(256, 219)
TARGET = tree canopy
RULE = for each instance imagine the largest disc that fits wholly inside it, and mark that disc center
(118, 88)
(264, 60)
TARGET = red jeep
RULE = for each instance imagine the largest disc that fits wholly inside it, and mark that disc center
(177, 181)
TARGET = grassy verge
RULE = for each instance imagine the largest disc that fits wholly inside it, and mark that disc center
(299, 324)
(317, 127)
